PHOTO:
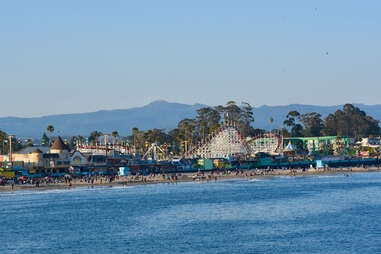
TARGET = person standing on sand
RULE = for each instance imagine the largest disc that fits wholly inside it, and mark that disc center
(12, 182)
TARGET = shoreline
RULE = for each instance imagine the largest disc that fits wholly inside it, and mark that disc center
(188, 177)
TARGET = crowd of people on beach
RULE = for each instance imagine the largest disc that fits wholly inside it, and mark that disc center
(163, 177)
(66, 180)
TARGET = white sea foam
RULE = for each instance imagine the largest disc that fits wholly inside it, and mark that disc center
(330, 176)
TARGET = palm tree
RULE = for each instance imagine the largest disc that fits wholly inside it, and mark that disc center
(50, 129)
(115, 134)
(95, 136)
(271, 120)
(76, 140)
(29, 142)
(135, 133)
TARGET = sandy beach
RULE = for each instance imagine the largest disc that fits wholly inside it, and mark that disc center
(186, 177)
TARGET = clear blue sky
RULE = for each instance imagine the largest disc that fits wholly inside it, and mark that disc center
(86, 55)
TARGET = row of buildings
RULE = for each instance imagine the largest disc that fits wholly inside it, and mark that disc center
(59, 156)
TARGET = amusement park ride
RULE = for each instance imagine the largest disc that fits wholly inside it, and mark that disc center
(270, 143)
(154, 152)
(227, 142)
(103, 149)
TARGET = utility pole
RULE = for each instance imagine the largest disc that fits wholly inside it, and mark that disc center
(10, 150)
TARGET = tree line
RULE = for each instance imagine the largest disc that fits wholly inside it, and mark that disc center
(191, 131)
(188, 132)
(349, 121)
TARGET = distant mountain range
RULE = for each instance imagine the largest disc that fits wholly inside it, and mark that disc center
(158, 114)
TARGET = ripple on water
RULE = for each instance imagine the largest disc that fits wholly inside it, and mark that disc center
(278, 215)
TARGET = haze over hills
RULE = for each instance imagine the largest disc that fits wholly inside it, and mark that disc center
(158, 114)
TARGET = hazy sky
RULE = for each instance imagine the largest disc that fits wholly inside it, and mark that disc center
(86, 55)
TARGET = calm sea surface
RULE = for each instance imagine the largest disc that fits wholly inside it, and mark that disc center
(322, 214)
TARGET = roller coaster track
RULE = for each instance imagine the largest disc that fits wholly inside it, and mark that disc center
(225, 142)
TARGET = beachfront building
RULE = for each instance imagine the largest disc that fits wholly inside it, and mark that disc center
(79, 159)
(57, 156)
(27, 157)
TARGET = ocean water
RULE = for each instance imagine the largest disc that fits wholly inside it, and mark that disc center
(319, 214)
